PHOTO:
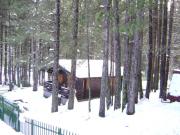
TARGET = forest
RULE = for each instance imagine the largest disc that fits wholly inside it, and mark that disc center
(140, 35)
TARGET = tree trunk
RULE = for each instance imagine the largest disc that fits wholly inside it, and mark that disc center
(30, 48)
(133, 82)
(141, 19)
(24, 74)
(18, 66)
(54, 107)
(35, 49)
(5, 57)
(163, 54)
(127, 60)
(10, 68)
(140, 89)
(157, 60)
(117, 45)
(1, 52)
(104, 80)
(169, 41)
(74, 53)
(35, 59)
(14, 66)
(150, 54)
(10, 59)
(41, 77)
(88, 53)
(154, 37)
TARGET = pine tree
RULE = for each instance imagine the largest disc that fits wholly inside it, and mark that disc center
(140, 16)
(104, 79)
(118, 85)
(171, 15)
(88, 53)
(54, 107)
(163, 54)
(133, 82)
(159, 32)
(1, 42)
(74, 53)
(150, 53)
(35, 44)
(127, 58)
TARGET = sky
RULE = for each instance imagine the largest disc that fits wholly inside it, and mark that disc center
(152, 117)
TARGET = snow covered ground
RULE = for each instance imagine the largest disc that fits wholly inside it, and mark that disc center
(152, 117)
(3, 89)
(7, 130)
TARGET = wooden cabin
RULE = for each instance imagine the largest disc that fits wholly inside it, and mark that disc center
(82, 76)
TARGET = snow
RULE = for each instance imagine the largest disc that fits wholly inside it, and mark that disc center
(152, 117)
(7, 130)
(176, 70)
(174, 88)
(3, 89)
(82, 67)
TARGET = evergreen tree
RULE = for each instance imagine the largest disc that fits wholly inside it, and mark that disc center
(150, 53)
(104, 80)
(118, 87)
(88, 52)
(159, 32)
(163, 54)
(35, 44)
(127, 57)
(54, 107)
(140, 16)
(171, 15)
(74, 53)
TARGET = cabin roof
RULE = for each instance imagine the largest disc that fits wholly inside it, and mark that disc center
(176, 71)
(82, 67)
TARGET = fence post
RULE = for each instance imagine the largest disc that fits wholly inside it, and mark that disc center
(59, 131)
(18, 128)
(3, 108)
(32, 125)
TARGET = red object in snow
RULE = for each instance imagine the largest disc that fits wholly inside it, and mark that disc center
(173, 98)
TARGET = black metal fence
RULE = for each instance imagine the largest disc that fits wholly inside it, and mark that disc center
(34, 127)
(9, 113)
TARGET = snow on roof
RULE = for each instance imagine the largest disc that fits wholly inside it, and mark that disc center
(174, 88)
(177, 71)
(82, 67)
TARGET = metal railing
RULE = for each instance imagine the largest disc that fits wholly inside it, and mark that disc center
(34, 127)
(9, 113)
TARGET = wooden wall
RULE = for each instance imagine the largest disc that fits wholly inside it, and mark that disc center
(82, 92)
